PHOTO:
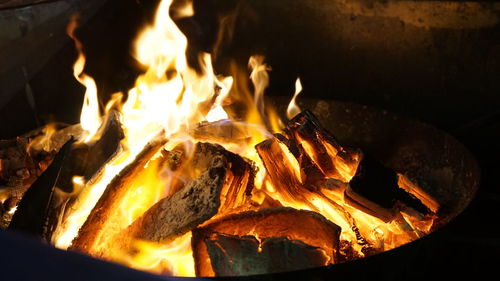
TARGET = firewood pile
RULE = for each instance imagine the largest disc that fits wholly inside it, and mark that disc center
(213, 196)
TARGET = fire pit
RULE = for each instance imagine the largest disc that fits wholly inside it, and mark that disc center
(185, 176)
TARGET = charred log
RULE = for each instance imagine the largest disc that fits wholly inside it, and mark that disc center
(374, 189)
(225, 183)
(309, 228)
(87, 159)
(31, 214)
(19, 168)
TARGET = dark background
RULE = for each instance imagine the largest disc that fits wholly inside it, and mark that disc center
(437, 62)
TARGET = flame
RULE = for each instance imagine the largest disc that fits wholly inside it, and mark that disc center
(167, 99)
(166, 102)
(293, 109)
(90, 118)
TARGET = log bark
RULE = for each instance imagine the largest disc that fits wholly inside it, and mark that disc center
(296, 225)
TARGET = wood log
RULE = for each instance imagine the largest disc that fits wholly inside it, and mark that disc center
(414, 189)
(240, 256)
(85, 160)
(321, 147)
(225, 183)
(223, 131)
(374, 189)
(18, 170)
(31, 214)
(92, 236)
(282, 167)
(308, 227)
(88, 159)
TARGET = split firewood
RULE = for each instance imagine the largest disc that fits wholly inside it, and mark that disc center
(18, 170)
(223, 131)
(374, 189)
(232, 255)
(285, 236)
(225, 183)
(17, 167)
(32, 210)
(88, 159)
(409, 186)
(321, 147)
(52, 137)
(92, 236)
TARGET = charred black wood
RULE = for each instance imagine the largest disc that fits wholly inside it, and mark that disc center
(86, 160)
(240, 256)
(31, 214)
(19, 168)
(374, 189)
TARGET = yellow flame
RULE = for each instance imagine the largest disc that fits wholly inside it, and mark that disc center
(168, 99)
(293, 109)
(90, 118)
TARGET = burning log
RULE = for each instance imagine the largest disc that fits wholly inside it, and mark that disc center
(19, 168)
(265, 241)
(320, 148)
(239, 256)
(31, 214)
(409, 186)
(92, 234)
(225, 183)
(87, 159)
(374, 189)
(223, 131)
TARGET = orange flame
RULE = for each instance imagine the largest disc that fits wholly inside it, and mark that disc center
(167, 100)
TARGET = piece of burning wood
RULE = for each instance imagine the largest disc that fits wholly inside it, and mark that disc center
(374, 189)
(31, 214)
(18, 170)
(240, 256)
(93, 231)
(412, 188)
(87, 159)
(17, 167)
(321, 147)
(308, 227)
(226, 180)
(282, 167)
(52, 137)
(223, 131)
